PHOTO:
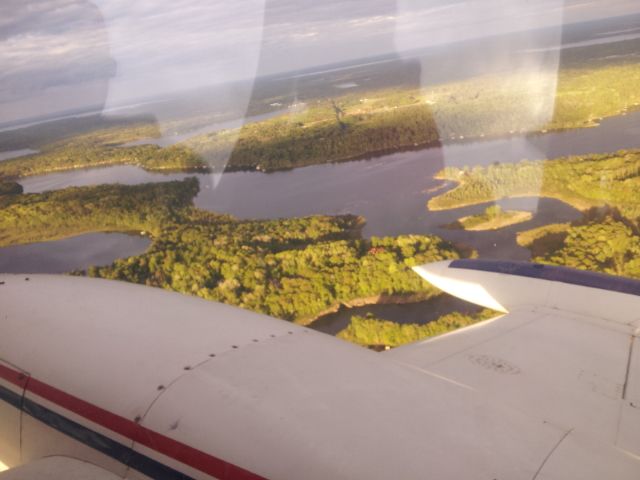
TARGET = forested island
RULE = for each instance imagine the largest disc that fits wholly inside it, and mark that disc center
(605, 187)
(72, 211)
(603, 240)
(294, 269)
(583, 181)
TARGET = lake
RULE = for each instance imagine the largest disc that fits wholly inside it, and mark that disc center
(80, 252)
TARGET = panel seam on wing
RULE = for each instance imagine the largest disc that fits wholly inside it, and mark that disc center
(555, 447)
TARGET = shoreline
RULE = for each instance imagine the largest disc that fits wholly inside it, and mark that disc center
(510, 217)
(133, 233)
(384, 299)
(369, 155)
(582, 206)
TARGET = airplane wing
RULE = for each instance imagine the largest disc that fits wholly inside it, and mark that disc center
(152, 384)
(567, 352)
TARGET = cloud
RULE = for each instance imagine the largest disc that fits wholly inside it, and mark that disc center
(372, 20)
(146, 47)
(47, 44)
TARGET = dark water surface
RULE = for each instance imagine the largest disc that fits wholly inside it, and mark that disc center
(419, 312)
(6, 155)
(59, 256)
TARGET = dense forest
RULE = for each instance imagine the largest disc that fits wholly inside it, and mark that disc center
(353, 125)
(61, 213)
(291, 269)
(610, 246)
(294, 269)
(603, 240)
(371, 331)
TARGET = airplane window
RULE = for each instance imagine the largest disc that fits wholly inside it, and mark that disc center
(296, 158)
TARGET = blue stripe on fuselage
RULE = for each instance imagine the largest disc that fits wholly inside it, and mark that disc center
(583, 278)
(123, 454)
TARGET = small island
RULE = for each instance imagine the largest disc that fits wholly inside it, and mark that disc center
(493, 218)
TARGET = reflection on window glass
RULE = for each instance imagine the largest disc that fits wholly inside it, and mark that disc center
(297, 158)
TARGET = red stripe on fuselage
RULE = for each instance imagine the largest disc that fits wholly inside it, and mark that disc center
(190, 456)
(19, 379)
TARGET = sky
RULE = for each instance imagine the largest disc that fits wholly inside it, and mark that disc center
(62, 54)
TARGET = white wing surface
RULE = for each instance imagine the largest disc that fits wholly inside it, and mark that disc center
(566, 352)
(148, 383)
